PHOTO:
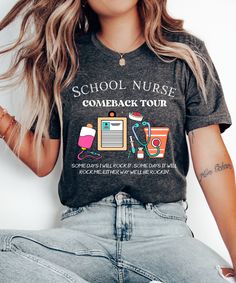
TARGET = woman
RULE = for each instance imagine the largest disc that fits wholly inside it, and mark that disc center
(119, 83)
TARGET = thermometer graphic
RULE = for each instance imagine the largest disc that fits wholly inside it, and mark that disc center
(132, 144)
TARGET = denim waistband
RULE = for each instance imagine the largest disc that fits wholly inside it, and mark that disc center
(125, 198)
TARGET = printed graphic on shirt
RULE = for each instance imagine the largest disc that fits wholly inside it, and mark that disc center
(112, 133)
(112, 136)
(158, 89)
(134, 134)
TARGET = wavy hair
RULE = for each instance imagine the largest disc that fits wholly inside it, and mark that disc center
(47, 60)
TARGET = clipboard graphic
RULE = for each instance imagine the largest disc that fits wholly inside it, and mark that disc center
(112, 133)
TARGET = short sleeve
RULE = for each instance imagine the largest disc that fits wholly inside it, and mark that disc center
(54, 125)
(200, 113)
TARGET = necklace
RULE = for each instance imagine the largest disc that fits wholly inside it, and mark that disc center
(122, 61)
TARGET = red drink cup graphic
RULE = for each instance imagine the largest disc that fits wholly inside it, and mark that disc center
(158, 137)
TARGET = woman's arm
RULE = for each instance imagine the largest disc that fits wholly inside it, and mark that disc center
(215, 173)
(49, 149)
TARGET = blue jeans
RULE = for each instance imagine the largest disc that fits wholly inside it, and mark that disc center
(117, 239)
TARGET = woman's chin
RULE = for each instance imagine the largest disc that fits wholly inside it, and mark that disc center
(112, 8)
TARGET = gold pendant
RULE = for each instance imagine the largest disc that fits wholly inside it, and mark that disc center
(122, 61)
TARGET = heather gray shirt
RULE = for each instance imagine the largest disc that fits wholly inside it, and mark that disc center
(123, 104)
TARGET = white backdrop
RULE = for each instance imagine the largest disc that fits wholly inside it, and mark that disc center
(31, 202)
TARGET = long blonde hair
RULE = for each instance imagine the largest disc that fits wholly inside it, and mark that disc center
(46, 52)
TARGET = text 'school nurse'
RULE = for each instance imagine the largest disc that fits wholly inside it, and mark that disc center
(121, 84)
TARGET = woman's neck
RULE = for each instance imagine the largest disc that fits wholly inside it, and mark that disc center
(121, 31)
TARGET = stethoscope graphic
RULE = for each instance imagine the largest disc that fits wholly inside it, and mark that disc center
(145, 145)
(89, 154)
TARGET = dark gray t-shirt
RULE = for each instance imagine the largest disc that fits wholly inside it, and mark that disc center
(125, 126)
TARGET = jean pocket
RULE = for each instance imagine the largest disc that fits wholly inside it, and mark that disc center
(71, 211)
(171, 210)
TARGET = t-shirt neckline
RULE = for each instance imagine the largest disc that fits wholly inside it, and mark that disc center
(112, 53)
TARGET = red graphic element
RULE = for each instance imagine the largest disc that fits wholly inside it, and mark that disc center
(156, 142)
(137, 114)
(159, 136)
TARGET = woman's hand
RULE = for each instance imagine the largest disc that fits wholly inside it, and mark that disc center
(234, 265)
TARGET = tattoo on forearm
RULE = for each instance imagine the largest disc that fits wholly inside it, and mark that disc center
(219, 167)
